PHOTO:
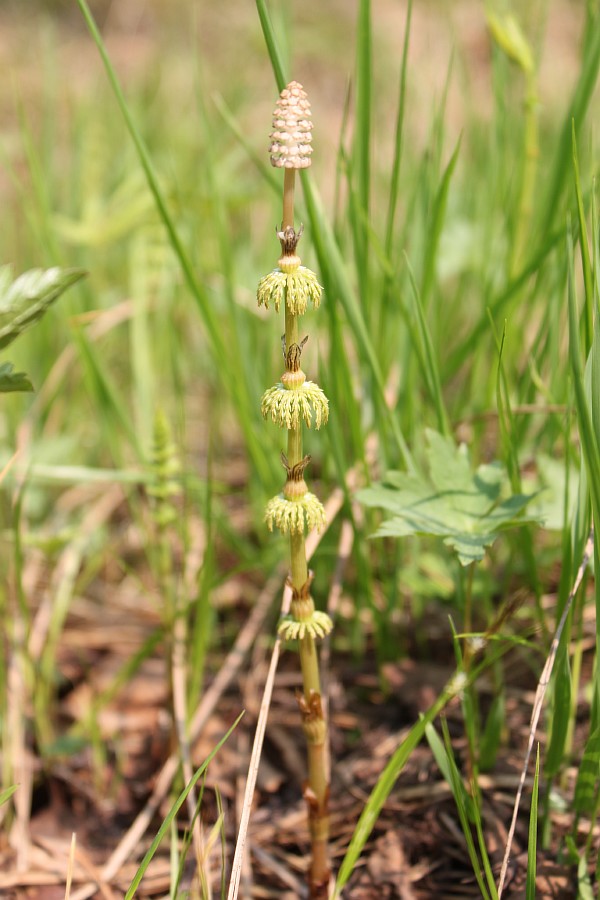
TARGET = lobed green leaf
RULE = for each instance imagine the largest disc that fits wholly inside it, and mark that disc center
(465, 508)
(25, 300)
(13, 381)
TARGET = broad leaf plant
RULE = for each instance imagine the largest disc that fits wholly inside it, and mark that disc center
(467, 508)
(22, 302)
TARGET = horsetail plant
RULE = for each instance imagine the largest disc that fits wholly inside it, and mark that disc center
(292, 402)
(164, 487)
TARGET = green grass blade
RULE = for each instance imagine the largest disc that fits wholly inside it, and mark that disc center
(594, 390)
(361, 157)
(382, 790)
(7, 794)
(261, 162)
(589, 445)
(459, 794)
(509, 436)
(595, 489)
(210, 319)
(587, 402)
(398, 137)
(445, 763)
(574, 119)
(41, 189)
(596, 251)
(203, 622)
(505, 414)
(271, 42)
(588, 318)
(561, 708)
(334, 267)
(173, 812)
(331, 261)
(491, 736)
(587, 775)
(595, 717)
(499, 303)
(533, 829)
(487, 867)
(362, 147)
(431, 372)
(435, 226)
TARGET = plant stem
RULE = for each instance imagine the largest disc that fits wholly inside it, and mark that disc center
(314, 723)
(470, 706)
(289, 186)
(299, 569)
(468, 625)
(531, 152)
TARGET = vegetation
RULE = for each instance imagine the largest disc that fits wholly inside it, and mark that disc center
(291, 403)
(458, 340)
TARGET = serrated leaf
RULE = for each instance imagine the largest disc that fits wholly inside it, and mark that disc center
(13, 381)
(467, 509)
(549, 505)
(25, 300)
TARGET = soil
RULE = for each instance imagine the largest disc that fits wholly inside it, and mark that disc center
(416, 849)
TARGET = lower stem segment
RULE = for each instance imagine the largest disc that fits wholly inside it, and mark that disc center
(316, 791)
(314, 724)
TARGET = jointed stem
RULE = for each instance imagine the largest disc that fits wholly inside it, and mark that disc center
(289, 185)
(315, 726)
(299, 569)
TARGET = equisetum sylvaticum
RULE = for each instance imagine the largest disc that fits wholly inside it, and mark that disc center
(292, 404)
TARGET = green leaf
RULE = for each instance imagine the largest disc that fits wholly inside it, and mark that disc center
(460, 796)
(24, 301)
(446, 763)
(13, 381)
(7, 794)
(582, 385)
(586, 786)
(427, 357)
(238, 386)
(173, 812)
(435, 227)
(384, 786)
(561, 710)
(492, 733)
(586, 262)
(508, 35)
(533, 829)
(468, 509)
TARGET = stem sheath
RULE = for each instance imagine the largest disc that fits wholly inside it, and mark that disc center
(314, 722)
